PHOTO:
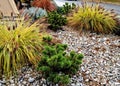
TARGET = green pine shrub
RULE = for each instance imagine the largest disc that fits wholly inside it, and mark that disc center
(56, 20)
(47, 39)
(18, 47)
(93, 18)
(56, 65)
(66, 8)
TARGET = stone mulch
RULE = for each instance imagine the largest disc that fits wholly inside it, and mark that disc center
(100, 67)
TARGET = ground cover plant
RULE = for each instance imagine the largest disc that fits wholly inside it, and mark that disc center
(56, 20)
(19, 46)
(57, 66)
(93, 18)
(34, 13)
(45, 4)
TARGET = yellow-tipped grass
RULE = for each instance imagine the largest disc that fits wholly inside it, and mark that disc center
(93, 18)
(19, 47)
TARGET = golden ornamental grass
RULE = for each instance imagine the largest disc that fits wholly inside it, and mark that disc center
(19, 47)
(93, 18)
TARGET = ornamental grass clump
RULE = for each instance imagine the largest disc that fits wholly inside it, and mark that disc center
(19, 47)
(93, 18)
(45, 4)
(56, 66)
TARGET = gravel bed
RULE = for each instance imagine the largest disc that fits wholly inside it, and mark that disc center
(101, 64)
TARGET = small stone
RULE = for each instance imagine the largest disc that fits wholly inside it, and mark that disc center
(118, 77)
(118, 64)
(103, 81)
(96, 79)
(87, 72)
(87, 80)
(93, 38)
(110, 75)
(31, 80)
(74, 76)
(81, 84)
(43, 80)
(73, 84)
(80, 78)
(117, 84)
(56, 85)
(24, 82)
(12, 85)
(20, 79)
(3, 82)
(23, 69)
(44, 85)
(11, 81)
(77, 84)
(82, 68)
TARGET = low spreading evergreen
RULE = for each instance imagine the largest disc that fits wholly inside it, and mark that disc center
(56, 20)
(56, 65)
(66, 8)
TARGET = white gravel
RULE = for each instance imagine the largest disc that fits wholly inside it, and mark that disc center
(101, 64)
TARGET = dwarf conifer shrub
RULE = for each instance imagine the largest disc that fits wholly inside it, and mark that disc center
(57, 66)
(94, 19)
(56, 20)
(66, 8)
(19, 47)
(47, 39)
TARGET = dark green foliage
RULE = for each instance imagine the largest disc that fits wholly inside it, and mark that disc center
(56, 20)
(61, 78)
(66, 8)
(47, 38)
(73, 6)
(117, 30)
(56, 65)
